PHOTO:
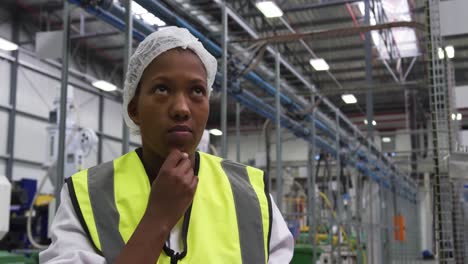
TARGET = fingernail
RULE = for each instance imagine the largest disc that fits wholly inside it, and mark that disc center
(185, 155)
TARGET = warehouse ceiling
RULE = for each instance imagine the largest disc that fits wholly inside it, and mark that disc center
(400, 78)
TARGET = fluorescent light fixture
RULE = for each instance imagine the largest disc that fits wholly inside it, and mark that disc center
(319, 64)
(105, 86)
(152, 20)
(269, 9)
(454, 116)
(143, 14)
(349, 98)
(459, 116)
(450, 50)
(7, 45)
(216, 132)
(441, 53)
(386, 140)
(137, 9)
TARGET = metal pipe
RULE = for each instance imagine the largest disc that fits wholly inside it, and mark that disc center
(128, 46)
(238, 153)
(279, 145)
(100, 127)
(368, 58)
(311, 183)
(94, 35)
(338, 184)
(63, 103)
(224, 19)
(13, 93)
(371, 224)
(329, 33)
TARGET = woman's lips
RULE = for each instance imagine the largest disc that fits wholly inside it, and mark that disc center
(180, 134)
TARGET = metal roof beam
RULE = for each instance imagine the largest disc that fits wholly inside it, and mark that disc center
(309, 24)
(304, 7)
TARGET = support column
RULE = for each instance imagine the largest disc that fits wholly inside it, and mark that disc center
(127, 54)
(63, 103)
(100, 128)
(238, 157)
(279, 165)
(368, 59)
(311, 183)
(224, 101)
(13, 92)
(359, 209)
(339, 199)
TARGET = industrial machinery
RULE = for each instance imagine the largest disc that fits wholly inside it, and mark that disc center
(29, 213)
(5, 193)
(79, 141)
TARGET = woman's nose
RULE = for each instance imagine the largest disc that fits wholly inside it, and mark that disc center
(180, 110)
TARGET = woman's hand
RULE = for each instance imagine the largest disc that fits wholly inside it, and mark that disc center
(172, 191)
(171, 194)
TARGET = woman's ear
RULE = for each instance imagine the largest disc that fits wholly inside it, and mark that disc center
(132, 110)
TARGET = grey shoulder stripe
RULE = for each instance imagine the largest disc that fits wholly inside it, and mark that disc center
(106, 216)
(249, 215)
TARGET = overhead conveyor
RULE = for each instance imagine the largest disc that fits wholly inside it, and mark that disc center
(364, 156)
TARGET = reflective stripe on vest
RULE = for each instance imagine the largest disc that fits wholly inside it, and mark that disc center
(112, 198)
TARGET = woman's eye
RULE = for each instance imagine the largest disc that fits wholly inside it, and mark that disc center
(199, 91)
(160, 89)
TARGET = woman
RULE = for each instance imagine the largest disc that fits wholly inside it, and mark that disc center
(166, 202)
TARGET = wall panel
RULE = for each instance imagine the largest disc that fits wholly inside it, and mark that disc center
(113, 118)
(3, 132)
(30, 139)
(5, 68)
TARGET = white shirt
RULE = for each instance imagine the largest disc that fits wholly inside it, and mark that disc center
(70, 244)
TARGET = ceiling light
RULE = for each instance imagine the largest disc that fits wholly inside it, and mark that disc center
(7, 45)
(349, 98)
(450, 52)
(143, 14)
(105, 86)
(459, 116)
(373, 122)
(440, 51)
(152, 20)
(137, 9)
(386, 139)
(216, 132)
(319, 64)
(269, 9)
(454, 116)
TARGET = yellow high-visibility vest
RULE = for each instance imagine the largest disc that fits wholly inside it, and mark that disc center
(229, 220)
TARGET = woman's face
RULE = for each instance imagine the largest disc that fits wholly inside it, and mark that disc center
(171, 106)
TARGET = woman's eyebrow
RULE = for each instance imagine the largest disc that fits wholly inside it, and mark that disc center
(198, 80)
(160, 78)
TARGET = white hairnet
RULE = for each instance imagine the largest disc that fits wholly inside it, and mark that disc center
(153, 46)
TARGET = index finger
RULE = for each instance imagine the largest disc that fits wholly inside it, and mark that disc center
(174, 158)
